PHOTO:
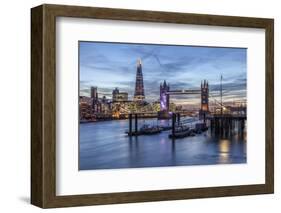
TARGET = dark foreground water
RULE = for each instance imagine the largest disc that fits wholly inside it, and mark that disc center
(104, 145)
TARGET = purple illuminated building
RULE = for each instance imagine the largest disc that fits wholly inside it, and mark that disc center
(164, 98)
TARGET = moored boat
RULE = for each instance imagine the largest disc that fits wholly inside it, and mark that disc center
(149, 130)
(146, 130)
(181, 132)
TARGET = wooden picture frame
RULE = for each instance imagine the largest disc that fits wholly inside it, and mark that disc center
(43, 105)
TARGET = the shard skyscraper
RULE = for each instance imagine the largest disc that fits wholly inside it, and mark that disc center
(139, 89)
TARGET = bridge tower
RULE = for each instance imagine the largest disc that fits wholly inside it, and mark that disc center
(164, 97)
(204, 99)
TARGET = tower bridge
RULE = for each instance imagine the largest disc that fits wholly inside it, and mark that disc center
(165, 94)
(221, 124)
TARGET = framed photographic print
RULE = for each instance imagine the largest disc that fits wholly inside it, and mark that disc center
(136, 106)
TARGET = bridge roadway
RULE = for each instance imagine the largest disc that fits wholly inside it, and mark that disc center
(184, 91)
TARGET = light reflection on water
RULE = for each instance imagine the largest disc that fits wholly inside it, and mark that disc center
(224, 146)
(104, 145)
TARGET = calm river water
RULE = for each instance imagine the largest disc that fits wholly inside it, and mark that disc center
(104, 145)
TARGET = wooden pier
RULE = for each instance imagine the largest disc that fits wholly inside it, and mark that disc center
(225, 125)
(131, 132)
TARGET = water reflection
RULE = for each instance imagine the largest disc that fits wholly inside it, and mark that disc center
(101, 149)
(224, 151)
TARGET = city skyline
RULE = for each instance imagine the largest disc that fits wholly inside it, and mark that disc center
(111, 65)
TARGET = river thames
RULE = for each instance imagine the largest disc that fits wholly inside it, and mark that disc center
(104, 145)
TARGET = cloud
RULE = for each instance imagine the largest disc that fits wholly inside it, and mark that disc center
(110, 65)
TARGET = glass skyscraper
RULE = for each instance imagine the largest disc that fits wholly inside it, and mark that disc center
(139, 89)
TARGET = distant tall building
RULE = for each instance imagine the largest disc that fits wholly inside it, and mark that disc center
(94, 93)
(139, 89)
(118, 96)
(94, 97)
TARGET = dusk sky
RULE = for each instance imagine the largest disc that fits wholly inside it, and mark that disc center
(110, 65)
